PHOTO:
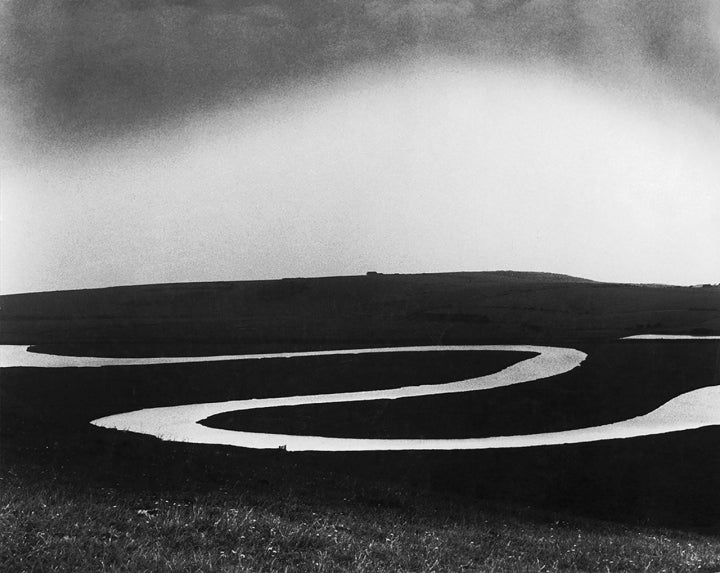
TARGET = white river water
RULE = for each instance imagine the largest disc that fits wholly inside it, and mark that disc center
(691, 410)
(669, 337)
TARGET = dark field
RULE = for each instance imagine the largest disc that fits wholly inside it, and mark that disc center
(617, 380)
(670, 480)
(69, 398)
(342, 312)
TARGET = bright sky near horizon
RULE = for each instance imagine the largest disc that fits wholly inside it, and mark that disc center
(425, 163)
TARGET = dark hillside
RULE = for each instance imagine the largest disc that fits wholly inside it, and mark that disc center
(493, 307)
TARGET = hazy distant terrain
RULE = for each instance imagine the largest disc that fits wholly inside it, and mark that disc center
(472, 308)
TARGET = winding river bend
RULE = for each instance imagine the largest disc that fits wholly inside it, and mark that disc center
(691, 410)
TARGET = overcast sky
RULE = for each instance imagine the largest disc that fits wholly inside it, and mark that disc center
(168, 141)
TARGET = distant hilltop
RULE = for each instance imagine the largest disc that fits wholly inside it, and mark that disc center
(510, 277)
(517, 276)
(491, 307)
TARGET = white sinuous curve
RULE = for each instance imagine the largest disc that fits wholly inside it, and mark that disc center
(669, 337)
(691, 410)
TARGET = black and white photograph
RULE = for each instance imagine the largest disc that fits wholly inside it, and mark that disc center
(359, 286)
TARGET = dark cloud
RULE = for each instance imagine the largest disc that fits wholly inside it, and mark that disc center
(79, 68)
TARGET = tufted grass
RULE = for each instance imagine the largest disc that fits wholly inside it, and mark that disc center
(53, 522)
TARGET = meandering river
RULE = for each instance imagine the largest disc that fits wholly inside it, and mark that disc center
(690, 410)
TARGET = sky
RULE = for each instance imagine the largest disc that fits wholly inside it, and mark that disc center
(175, 141)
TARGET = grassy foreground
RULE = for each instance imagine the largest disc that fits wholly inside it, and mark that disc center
(52, 521)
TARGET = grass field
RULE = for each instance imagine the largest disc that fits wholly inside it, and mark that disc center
(78, 497)
(55, 520)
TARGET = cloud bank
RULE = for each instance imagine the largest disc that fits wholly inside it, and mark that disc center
(96, 68)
